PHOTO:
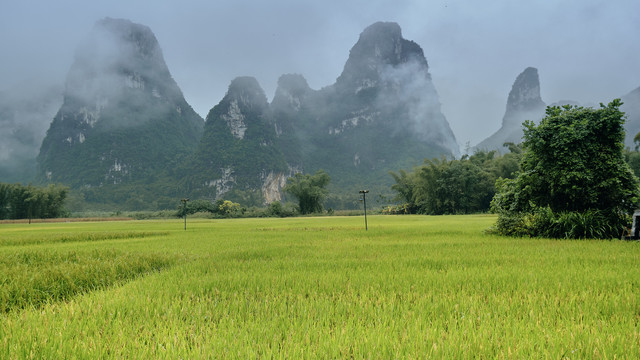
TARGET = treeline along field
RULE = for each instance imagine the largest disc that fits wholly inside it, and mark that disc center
(410, 287)
(26, 202)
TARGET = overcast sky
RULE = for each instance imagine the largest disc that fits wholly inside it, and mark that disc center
(585, 50)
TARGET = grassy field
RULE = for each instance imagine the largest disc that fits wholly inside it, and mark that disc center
(410, 287)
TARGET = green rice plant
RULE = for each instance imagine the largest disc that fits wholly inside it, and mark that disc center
(323, 287)
(32, 278)
(51, 238)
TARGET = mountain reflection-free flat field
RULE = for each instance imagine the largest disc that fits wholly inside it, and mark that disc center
(409, 287)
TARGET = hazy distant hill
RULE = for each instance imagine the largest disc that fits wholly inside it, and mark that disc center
(524, 103)
(631, 107)
(123, 119)
(25, 113)
(383, 113)
(124, 133)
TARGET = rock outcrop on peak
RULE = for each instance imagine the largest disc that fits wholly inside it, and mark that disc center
(379, 47)
(123, 117)
(524, 96)
(524, 103)
(291, 93)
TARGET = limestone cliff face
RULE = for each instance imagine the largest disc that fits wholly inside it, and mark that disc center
(524, 103)
(272, 186)
(239, 151)
(123, 116)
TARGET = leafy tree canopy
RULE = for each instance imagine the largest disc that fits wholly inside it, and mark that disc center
(309, 189)
(463, 186)
(225, 208)
(22, 202)
(573, 163)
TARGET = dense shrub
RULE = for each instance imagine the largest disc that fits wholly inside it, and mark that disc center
(574, 181)
(588, 224)
(276, 208)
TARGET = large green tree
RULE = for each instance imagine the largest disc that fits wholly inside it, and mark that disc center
(459, 186)
(22, 202)
(309, 189)
(574, 181)
(450, 187)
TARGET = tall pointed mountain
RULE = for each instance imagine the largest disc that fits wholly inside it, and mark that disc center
(387, 81)
(382, 114)
(123, 117)
(239, 151)
(524, 103)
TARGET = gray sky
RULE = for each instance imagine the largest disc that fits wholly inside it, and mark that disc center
(585, 50)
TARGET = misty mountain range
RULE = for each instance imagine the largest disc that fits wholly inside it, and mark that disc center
(123, 126)
(25, 115)
(524, 103)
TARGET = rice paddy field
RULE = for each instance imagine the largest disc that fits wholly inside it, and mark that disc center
(409, 287)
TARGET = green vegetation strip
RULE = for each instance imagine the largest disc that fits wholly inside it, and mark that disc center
(33, 278)
(50, 238)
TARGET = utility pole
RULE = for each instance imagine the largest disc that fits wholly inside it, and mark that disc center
(184, 208)
(364, 199)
